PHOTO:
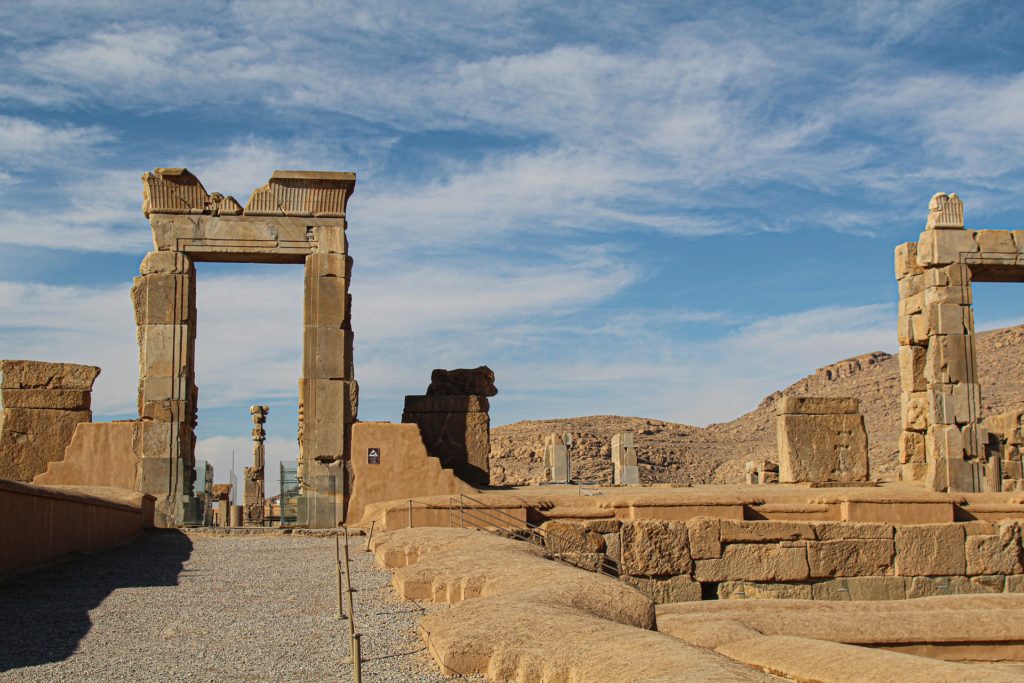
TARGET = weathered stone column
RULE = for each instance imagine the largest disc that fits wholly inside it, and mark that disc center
(625, 471)
(943, 440)
(164, 297)
(329, 394)
(254, 476)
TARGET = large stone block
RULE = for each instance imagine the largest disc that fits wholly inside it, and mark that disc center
(766, 531)
(166, 262)
(912, 359)
(328, 400)
(462, 382)
(704, 534)
(929, 587)
(331, 240)
(325, 301)
(666, 591)
(30, 439)
(302, 193)
(819, 448)
(930, 550)
(997, 553)
(54, 399)
(951, 474)
(756, 562)
(861, 588)
(944, 442)
(750, 590)
(851, 557)
(945, 247)
(906, 260)
(946, 360)
(32, 374)
(165, 351)
(328, 265)
(327, 352)
(952, 295)
(627, 475)
(996, 242)
(655, 548)
(915, 410)
(446, 404)
(837, 531)
(163, 299)
(945, 319)
(911, 285)
(912, 448)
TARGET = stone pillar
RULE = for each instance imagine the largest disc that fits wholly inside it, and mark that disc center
(236, 516)
(626, 472)
(254, 476)
(556, 459)
(943, 440)
(328, 392)
(224, 512)
(164, 298)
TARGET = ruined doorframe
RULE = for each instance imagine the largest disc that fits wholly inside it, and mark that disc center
(943, 441)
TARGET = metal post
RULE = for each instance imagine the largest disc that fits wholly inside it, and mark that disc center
(337, 568)
(410, 513)
(370, 535)
(357, 657)
(348, 590)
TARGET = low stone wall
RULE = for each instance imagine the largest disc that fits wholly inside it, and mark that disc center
(41, 404)
(39, 524)
(709, 557)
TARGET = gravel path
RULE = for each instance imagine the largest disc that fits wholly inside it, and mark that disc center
(177, 606)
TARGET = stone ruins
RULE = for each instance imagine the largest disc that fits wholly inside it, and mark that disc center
(944, 441)
(41, 404)
(254, 476)
(625, 471)
(821, 440)
(556, 459)
(454, 421)
(667, 565)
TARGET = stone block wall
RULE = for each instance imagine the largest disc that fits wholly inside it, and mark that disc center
(731, 559)
(41, 404)
(821, 440)
(454, 420)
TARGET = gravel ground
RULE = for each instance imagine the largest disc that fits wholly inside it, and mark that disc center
(198, 607)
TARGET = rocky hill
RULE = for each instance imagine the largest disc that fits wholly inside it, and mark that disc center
(683, 454)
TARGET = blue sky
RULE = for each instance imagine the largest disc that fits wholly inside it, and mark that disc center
(667, 210)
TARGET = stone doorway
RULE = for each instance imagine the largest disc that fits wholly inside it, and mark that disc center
(297, 217)
(944, 440)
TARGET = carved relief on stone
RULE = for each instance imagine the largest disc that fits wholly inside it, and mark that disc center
(254, 476)
(172, 190)
(945, 212)
(303, 193)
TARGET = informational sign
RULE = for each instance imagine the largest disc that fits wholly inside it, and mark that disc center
(373, 456)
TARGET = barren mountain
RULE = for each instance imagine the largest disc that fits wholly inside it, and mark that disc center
(682, 454)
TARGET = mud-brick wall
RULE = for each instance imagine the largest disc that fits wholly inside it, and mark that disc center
(708, 557)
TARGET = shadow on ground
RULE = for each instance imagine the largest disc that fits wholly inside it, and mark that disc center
(45, 612)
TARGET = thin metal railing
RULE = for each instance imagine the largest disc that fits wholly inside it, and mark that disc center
(486, 517)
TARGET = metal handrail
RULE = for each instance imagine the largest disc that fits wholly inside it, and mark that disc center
(484, 516)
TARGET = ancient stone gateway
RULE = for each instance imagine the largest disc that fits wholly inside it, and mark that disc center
(944, 441)
(297, 217)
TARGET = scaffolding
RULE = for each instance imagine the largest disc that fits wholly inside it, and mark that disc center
(289, 492)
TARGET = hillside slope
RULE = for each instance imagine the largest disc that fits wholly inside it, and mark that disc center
(683, 454)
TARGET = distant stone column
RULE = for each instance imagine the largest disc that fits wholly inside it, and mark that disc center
(626, 471)
(556, 459)
(254, 476)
